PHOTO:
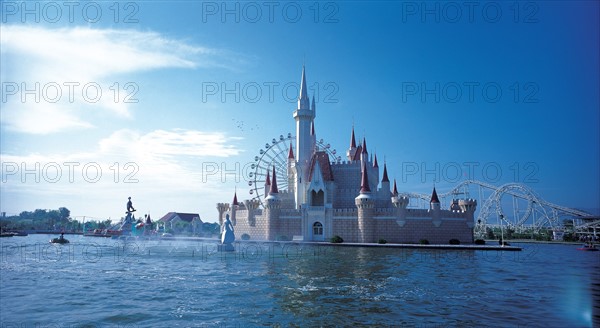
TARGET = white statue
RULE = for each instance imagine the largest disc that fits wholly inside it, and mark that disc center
(227, 236)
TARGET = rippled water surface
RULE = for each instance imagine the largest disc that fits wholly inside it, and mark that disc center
(95, 282)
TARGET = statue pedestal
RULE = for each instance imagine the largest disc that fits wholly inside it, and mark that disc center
(225, 248)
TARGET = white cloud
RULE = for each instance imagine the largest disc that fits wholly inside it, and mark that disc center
(82, 55)
(158, 153)
(155, 166)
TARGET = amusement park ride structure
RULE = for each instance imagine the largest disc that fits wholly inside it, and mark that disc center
(512, 205)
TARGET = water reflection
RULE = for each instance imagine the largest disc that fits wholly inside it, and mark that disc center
(156, 283)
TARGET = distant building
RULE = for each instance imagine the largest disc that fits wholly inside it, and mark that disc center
(175, 220)
(327, 198)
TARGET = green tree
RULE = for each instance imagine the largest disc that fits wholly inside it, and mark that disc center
(64, 213)
(490, 233)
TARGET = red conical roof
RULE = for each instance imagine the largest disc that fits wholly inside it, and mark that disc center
(357, 154)
(364, 182)
(385, 176)
(395, 192)
(291, 152)
(434, 197)
(268, 181)
(364, 145)
(235, 201)
(274, 184)
(375, 164)
(352, 139)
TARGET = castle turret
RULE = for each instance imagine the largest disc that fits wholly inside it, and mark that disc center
(291, 174)
(435, 209)
(251, 206)
(304, 117)
(272, 208)
(268, 184)
(303, 100)
(222, 208)
(234, 207)
(434, 203)
(351, 152)
(375, 176)
(399, 201)
(385, 182)
(364, 155)
(468, 207)
(365, 204)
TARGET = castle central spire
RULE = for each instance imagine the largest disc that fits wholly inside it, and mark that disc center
(303, 101)
(305, 146)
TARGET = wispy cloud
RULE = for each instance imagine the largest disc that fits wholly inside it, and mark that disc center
(155, 165)
(82, 55)
(166, 144)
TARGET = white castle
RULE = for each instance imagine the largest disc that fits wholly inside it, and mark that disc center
(326, 198)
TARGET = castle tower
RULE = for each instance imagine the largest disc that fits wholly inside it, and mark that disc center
(375, 176)
(385, 182)
(304, 117)
(365, 204)
(291, 174)
(468, 207)
(267, 184)
(272, 209)
(364, 155)
(399, 202)
(222, 208)
(434, 205)
(234, 207)
(251, 206)
(351, 152)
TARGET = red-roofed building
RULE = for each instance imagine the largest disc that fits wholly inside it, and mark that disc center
(313, 195)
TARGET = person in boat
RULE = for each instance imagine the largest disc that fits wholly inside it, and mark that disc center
(62, 236)
(130, 206)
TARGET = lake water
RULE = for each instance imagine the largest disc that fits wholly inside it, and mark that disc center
(96, 282)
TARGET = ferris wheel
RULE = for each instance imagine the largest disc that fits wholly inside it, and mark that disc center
(275, 154)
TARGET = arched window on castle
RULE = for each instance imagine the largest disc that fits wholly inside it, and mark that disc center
(317, 198)
(317, 229)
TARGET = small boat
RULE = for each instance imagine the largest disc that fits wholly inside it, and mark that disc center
(6, 234)
(588, 247)
(59, 240)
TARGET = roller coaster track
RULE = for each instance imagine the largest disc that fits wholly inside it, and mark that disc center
(548, 213)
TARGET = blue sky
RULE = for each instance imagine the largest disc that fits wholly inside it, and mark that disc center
(513, 96)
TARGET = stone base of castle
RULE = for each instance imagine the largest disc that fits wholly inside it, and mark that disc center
(394, 229)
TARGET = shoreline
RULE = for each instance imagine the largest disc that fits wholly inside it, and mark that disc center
(490, 244)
